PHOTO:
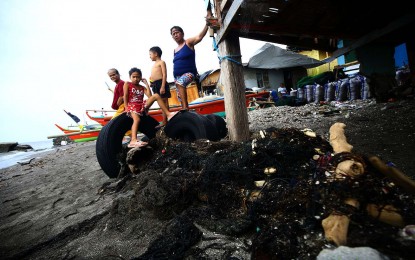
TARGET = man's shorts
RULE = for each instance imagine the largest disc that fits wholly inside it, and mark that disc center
(119, 111)
(185, 79)
(156, 86)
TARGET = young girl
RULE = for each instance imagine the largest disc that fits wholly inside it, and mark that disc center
(136, 106)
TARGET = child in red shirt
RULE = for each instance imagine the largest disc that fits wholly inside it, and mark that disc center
(136, 106)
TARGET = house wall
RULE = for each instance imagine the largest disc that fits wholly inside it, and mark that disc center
(319, 55)
(209, 83)
(250, 78)
(275, 77)
(211, 79)
(293, 75)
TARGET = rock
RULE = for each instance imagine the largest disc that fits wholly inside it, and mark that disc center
(344, 252)
(7, 147)
(23, 147)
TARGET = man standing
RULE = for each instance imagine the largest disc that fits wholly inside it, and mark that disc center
(184, 62)
(118, 100)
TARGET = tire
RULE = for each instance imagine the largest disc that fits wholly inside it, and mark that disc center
(109, 142)
(220, 124)
(210, 129)
(186, 126)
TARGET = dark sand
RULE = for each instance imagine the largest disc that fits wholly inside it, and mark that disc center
(56, 206)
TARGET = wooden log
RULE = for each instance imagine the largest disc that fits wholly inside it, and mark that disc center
(335, 228)
(394, 174)
(339, 143)
(338, 140)
(350, 168)
(387, 214)
(336, 225)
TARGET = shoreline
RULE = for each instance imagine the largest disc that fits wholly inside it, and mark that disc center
(39, 150)
(12, 158)
(62, 205)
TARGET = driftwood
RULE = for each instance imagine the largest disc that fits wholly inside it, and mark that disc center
(350, 168)
(339, 144)
(336, 224)
(338, 140)
(387, 214)
(26, 162)
(394, 174)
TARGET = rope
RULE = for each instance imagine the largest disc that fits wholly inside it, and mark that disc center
(227, 57)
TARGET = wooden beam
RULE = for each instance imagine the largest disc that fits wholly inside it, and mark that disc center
(232, 79)
(207, 3)
(307, 43)
(225, 5)
(225, 26)
(404, 20)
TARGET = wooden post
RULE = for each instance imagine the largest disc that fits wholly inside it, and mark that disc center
(234, 89)
(410, 49)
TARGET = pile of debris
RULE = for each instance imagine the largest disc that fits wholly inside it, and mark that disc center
(62, 140)
(285, 194)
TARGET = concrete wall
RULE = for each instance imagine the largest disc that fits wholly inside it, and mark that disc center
(275, 77)
(250, 78)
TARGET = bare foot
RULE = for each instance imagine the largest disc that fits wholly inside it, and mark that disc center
(140, 144)
(132, 144)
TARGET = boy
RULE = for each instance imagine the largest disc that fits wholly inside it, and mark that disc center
(158, 79)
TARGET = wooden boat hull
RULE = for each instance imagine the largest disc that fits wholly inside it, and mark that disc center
(102, 119)
(78, 136)
(87, 139)
(215, 106)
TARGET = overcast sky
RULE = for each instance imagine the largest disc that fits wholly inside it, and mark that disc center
(55, 54)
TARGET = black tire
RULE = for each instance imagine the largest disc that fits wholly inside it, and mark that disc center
(210, 129)
(220, 124)
(186, 126)
(109, 142)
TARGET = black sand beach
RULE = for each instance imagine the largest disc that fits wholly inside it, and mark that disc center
(63, 206)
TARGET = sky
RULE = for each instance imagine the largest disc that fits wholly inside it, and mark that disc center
(55, 54)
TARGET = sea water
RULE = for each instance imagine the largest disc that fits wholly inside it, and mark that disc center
(14, 157)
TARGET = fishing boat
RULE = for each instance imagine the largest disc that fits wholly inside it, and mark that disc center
(100, 116)
(79, 132)
(206, 105)
(78, 135)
